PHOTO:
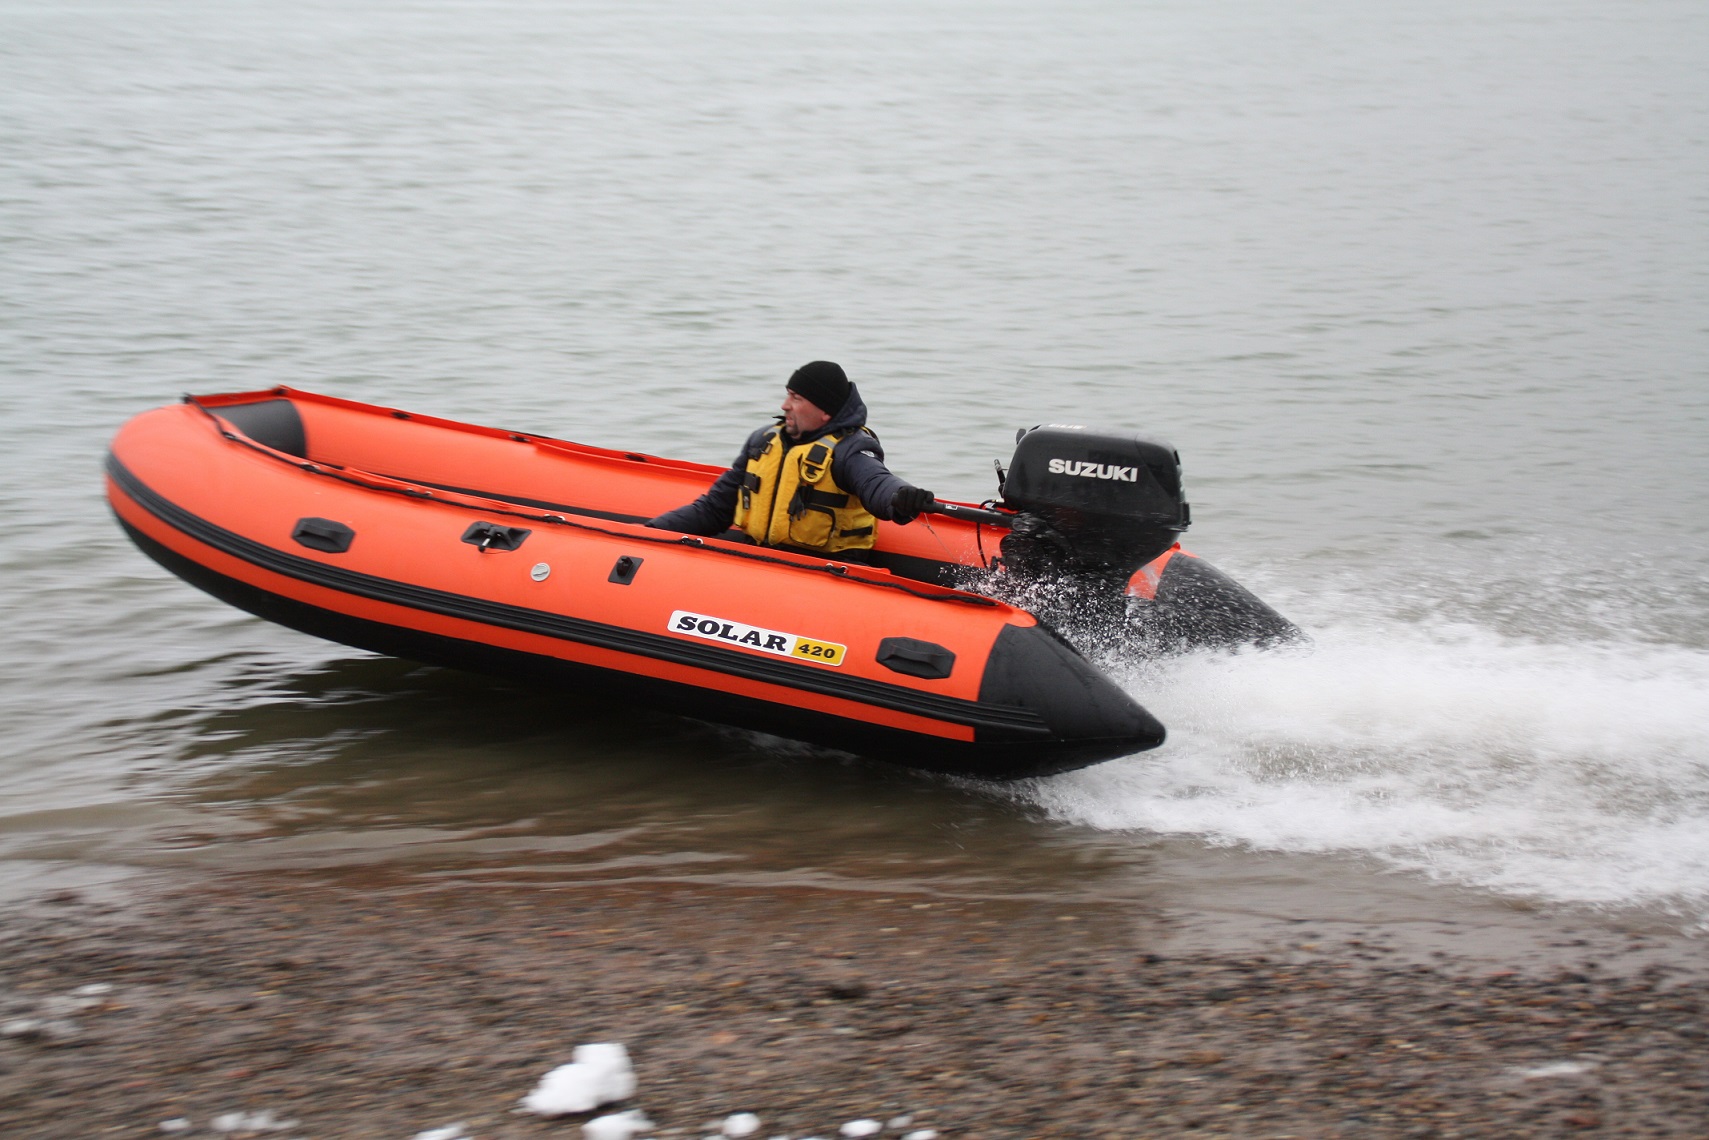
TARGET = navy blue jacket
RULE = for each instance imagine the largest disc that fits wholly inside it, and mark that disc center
(857, 465)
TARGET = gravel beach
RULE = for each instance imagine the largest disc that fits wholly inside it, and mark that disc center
(368, 1005)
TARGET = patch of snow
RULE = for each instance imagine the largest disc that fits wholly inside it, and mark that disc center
(858, 1128)
(1557, 1069)
(448, 1132)
(599, 1074)
(740, 1124)
(263, 1121)
(616, 1126)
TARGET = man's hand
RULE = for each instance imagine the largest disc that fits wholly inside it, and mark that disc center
(908, 502)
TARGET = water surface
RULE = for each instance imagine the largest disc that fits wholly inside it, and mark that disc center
(1419, 295)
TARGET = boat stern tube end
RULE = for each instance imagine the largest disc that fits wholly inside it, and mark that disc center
(1086, 717)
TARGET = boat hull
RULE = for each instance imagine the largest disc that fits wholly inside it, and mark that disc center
(590, 602)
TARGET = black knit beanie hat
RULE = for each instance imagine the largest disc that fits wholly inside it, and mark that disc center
(822, 384)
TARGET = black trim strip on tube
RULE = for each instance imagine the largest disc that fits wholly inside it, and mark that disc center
(1006, 720)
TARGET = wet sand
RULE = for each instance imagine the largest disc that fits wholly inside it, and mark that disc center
(370, 1003)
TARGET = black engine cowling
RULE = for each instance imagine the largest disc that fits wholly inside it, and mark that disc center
(1097, 502)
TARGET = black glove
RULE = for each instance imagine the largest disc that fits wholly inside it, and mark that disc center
(907, 503)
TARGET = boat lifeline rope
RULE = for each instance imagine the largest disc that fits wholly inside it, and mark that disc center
(981, 517)
(386, 485)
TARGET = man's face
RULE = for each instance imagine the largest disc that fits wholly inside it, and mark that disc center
(802, 416)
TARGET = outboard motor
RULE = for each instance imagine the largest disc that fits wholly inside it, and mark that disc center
(1098, 503)
(1093, 508)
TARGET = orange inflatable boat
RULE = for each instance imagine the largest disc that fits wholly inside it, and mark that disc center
(523, 556)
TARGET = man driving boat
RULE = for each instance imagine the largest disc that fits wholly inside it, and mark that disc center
(813, 482)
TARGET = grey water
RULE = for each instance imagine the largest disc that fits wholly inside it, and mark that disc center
(1420, 294)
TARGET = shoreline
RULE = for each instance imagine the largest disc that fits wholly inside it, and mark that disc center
(370, 1003)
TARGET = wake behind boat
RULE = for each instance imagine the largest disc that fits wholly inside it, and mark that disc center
(523, 556)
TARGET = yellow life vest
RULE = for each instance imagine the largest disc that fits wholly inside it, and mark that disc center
(788, 498)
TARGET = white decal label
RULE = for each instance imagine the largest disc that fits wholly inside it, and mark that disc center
(1093, 470)
(754, 637)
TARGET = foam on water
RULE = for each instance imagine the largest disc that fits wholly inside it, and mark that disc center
(1568, 772)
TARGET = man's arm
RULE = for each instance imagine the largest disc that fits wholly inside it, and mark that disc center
(858, 467)
(714, 511)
